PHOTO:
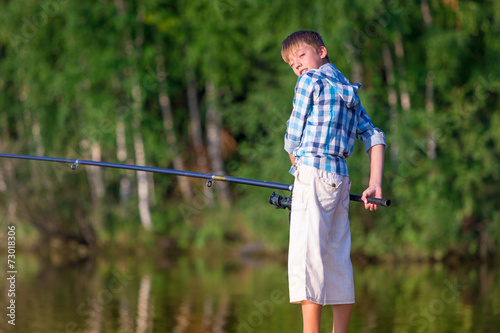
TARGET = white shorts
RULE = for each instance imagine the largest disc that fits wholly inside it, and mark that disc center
(319, 262)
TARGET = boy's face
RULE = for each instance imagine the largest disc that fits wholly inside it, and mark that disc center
(306, 57)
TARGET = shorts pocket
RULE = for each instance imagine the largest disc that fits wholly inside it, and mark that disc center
(327, 192)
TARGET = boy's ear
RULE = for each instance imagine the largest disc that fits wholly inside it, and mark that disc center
(322, 52)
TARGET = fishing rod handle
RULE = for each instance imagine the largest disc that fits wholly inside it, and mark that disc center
(377, 201)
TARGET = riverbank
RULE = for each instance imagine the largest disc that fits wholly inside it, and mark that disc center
(245, 231)
(57, 252)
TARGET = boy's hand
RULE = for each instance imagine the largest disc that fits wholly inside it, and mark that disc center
(292, 159)
(376, 155)
(371, 191)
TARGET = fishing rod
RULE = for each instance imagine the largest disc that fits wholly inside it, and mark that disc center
(275, 199)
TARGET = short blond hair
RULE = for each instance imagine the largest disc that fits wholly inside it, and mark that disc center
(292, 42)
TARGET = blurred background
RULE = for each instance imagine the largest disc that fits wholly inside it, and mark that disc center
(200, 85)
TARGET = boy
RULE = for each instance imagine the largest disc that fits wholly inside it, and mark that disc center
(327, 116)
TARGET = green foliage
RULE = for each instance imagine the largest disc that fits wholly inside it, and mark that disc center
(71, 71)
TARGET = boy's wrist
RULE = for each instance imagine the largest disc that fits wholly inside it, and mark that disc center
(375, 184)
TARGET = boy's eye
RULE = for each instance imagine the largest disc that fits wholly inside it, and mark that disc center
(300, 56)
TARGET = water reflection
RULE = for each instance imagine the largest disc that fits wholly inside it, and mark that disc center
(221, 295)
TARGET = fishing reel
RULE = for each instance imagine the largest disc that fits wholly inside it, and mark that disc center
(280, 202)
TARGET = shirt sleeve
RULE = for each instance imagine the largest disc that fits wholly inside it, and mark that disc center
(302, 106)
(366, 132)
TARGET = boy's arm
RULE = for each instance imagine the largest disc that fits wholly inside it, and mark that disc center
(302, 105)
(376, 155)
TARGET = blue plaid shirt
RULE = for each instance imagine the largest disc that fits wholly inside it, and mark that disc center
(327, 116)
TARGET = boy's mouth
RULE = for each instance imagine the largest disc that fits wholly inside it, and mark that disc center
(303, 71)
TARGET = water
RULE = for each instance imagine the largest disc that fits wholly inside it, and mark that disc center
(115, 294)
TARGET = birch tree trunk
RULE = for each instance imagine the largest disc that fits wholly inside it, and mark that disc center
(168, 124)
(94, 174)
(133, 50)
(96, 183)
(429, 107)
(4, 132)
(32, 119)
(37, 137)
(356, 67)
(196, 132)
(392, 98)
(121, 155)
(195, 129)
(214, 129)
(143, 186)
(429, 89)
(142, 179)
(403, 88)
(426, 13)
(7, 178)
